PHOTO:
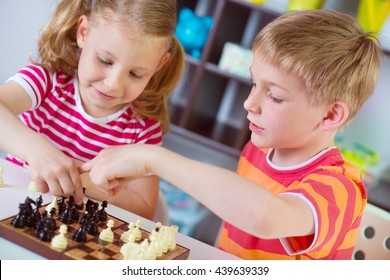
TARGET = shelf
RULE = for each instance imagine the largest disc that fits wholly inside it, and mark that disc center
(207, 105)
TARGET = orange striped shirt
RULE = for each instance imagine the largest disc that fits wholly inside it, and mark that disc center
(332, 187)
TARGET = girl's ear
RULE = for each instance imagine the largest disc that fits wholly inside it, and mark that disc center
(163, 61)
(336, 116)
(82, 30)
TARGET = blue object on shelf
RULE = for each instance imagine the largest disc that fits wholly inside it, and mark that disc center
(192, 31)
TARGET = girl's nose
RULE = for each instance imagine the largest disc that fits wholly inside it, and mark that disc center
(113, 82)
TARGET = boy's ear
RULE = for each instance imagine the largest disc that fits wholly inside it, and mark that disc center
(82, 29)
(336, 116)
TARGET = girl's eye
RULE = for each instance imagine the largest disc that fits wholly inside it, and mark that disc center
(135, 75)
(103, 61)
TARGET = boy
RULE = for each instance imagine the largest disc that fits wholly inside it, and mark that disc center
(294, 196)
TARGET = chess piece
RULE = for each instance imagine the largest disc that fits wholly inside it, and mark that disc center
(102, 214)
(106, 236)
(137, 230)
(45, 234)
(52, 205)
(80, 235)
(61, 205)
(125, 236)
(33, 187)
(59, 241)
(51, 222)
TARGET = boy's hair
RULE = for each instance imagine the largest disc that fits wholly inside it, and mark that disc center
(58, 49)
(328, 50)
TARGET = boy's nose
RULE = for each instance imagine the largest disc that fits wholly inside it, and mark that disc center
(252, 104)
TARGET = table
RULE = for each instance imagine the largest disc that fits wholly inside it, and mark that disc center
(14, 191)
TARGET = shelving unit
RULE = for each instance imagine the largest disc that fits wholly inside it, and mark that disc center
(209, 101)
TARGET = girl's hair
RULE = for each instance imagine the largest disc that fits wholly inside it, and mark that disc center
(328, 50)
(58, 49)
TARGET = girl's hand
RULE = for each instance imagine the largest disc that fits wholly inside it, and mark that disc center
(54, 172)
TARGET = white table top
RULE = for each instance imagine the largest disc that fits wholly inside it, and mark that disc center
(15, 191)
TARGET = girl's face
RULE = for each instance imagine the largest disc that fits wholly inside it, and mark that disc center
(280, 113)
(115, 65)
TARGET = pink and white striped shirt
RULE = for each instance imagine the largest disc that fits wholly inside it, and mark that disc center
(57, 113)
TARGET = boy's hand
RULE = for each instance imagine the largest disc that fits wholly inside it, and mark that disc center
(114, 166)
(53, 171)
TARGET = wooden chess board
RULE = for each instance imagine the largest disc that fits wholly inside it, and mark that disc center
(89, 250)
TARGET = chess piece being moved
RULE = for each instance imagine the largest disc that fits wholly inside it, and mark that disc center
(60, 241)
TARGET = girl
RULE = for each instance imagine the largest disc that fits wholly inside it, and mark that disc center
(103, 77)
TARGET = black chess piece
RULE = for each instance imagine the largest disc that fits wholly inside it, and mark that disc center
(51, 222)
(102, 214)
(45, 234)
(80, 235)
(20, 220)
(92, 227)
(61, 205)
(66, 216)
(41, 222)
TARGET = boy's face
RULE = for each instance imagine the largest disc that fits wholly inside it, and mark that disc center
(279, 111)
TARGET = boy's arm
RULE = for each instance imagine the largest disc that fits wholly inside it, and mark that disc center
(235, 199)
(50, 169)
(139, 196)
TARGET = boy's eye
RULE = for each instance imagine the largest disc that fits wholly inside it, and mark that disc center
(273, 98)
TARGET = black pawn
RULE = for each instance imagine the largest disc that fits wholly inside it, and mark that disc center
(45, 234)
(92, 227)
(51, 222)
(61, 205)
(80, 235)
(102, 214)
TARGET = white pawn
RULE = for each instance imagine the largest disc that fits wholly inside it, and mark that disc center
(107, 235)
(126, 234)
(171, 237)
(59, 241)
(137, 231)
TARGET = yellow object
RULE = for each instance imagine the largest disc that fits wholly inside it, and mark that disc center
(373, 13)
(305, 4)
(257, 1)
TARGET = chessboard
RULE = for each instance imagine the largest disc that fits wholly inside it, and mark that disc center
(91, 248)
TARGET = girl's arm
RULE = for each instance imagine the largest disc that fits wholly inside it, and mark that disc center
(50, 169)
(235, 199)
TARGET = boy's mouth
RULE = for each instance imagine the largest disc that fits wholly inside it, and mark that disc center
(255, 128)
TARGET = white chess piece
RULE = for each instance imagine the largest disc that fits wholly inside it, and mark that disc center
(126, 234)
(59, 241)
(137, 230)
(107, 235)
(33, 187)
